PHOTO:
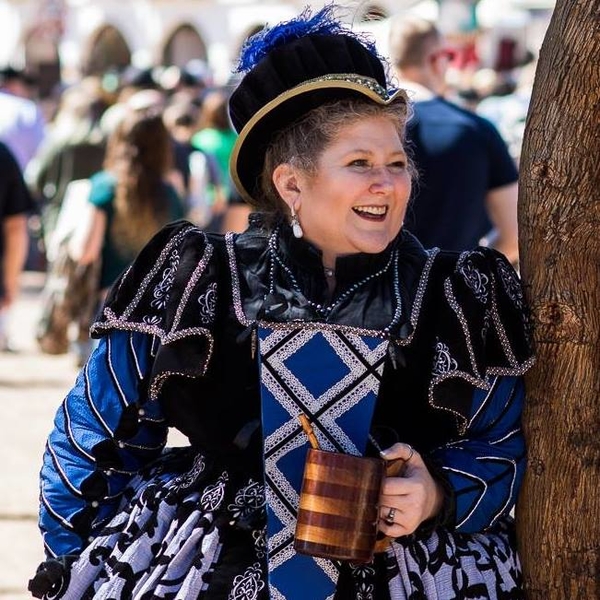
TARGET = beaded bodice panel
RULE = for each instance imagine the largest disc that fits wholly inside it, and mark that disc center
(281, 280)
(461, 316)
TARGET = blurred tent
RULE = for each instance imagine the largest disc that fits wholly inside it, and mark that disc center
(534, 4)
(491, 13)
(505, 32)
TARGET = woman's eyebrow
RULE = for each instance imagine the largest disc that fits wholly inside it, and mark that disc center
(399, 152)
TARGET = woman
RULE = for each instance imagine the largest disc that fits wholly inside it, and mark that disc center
(132, 197)
(324, 306)
(214, 135)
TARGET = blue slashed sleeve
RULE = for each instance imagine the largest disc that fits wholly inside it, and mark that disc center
(104, 431)
(485, 466)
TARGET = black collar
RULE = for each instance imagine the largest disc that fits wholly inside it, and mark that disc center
(371, 306)
(306, 260)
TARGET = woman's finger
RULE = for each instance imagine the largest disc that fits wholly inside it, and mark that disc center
(400, 450)
(394, 523)
(390, 515)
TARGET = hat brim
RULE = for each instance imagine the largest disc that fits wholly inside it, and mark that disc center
(248, 153)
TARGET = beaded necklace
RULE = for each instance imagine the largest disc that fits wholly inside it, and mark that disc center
(325, 310)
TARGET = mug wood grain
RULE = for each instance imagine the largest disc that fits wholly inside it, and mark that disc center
(338, 509)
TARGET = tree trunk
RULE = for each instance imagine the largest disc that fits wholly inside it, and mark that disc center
(558, 514)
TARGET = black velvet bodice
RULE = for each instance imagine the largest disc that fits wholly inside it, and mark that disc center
(217, 290)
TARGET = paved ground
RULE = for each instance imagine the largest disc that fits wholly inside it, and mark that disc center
(31, 387)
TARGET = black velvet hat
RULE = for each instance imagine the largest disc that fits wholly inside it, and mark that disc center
(291, 69)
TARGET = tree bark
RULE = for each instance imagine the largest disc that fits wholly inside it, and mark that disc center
(558, 514)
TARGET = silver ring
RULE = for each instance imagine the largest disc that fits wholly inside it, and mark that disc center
(412, 452)
(389, 518)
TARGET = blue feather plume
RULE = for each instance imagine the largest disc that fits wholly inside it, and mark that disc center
(323, 22)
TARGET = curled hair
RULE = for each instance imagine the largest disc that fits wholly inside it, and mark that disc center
(139, 155)
(302, 143)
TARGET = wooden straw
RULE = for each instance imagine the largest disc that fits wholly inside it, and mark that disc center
(310, 434)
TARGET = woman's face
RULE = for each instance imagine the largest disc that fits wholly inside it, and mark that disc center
(356, 200)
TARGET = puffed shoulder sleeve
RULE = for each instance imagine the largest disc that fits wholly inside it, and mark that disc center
(170, 292)
(483, 329)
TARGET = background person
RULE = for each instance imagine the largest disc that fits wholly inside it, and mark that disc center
(200, 172)
(131, 196)
(216, 138)
(467, 187)
(22, 124)
(15, 205)
(73, 149)
(326, 306)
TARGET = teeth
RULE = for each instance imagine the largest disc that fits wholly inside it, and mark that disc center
(371, 210)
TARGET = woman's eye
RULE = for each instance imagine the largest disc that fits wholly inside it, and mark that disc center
(359, 162)
(398, 165)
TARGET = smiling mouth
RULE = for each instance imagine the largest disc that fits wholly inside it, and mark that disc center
(371, 213)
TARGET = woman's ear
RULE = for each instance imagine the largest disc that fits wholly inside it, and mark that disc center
(286, 182)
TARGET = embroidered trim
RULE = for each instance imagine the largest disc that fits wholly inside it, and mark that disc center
(151, 274)
(513, 371)
(208, 304)
(187, 479)
(417, 304)
(455, 306)
(367, 82)
(477, 382)
(329, 567)
(114, 322)
(248, 585)
(151, 324)
(325, 310)
(443, 363)
(461, 419)
(213, 495)
(200, 268)
(235, 280)
(318, 326)
(511, 283)
(163, 288)
(247, 500)
(512, 359)
(260, 541)
(476, 281)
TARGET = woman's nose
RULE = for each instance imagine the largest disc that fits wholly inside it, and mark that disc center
(382, 180)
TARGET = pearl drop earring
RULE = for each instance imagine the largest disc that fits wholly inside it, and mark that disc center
(296, 227)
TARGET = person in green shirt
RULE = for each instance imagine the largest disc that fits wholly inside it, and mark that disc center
(216, 139)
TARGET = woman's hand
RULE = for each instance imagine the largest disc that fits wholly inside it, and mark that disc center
(51, 576)
(410, 498)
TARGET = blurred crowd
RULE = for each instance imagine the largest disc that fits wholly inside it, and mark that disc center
(109, 167)
(88, 113)
(119, 155)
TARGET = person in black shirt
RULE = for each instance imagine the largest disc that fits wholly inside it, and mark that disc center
(15, 204)
(466, 192)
